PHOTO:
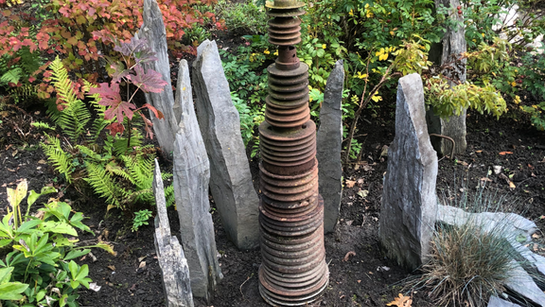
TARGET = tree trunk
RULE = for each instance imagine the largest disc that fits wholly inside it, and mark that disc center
(451, 46)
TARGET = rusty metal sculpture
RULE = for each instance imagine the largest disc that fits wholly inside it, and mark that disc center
(294, 271)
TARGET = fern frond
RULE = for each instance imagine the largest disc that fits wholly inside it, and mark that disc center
(141, 196)
(169, 195)
(12, 75)
(121, 147)
(42, 125)
(57, 157)
(103, 184)
(89, 153)
(75, 115)
(117, 170)
(23, 93)
(30, 61)
(140, 168)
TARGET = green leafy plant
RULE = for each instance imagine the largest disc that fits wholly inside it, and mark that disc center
(140, 219)
(117, 166)
(245, 17)
(248, 120)
(37, 252)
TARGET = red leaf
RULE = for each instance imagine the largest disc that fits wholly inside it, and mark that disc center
(110, 97)
(503, 153)
(149, 82)
(115, 128)
(157, 113)
(91, 11)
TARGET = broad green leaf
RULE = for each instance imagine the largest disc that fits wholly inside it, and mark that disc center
(40, 295)
(5, 275)
(83, 272)
(42, 245)
(5, 242)
(12, 290)
(76, 254)
(32, 197)
(58, 227)
(49, 258)
(73, 267)
(74, 284)
(48, 190)
(28, 226)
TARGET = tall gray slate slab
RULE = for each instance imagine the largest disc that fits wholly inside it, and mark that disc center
(153, 30)
(409, 203)
(170, 255)
(452, 45)
(231, 180)
(328, 144)
(184, 92)
(191, 181)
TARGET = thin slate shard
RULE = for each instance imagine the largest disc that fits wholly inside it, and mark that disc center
(170, 255)
(191, 180)
(153, 30)
(328, 147)
(231, 180)
(409, 204)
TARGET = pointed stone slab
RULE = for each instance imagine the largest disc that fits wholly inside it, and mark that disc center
(191, 180)
(328, 145)
(153, 30)
(409, 203)
(522, 283)
(498, 302)
(184, 92)
(170, 255)
(231, 180)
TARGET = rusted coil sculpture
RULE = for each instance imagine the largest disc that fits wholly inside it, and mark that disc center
(294, 271)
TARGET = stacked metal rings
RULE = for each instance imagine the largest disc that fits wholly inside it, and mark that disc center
(294, 271)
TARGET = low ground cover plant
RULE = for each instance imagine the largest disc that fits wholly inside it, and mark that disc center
(37, 252)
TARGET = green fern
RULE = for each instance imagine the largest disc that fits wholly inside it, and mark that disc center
(58, 157)
(75, 115)
(42, 125)
(13, 75)
(103, 184)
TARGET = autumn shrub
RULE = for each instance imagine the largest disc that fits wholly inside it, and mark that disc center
(73, 30)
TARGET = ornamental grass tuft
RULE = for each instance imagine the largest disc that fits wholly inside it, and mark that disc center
(469, 262)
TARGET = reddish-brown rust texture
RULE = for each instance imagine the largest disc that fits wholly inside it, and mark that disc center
(294, 271)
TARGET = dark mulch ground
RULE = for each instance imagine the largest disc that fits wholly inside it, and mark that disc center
(368, 278)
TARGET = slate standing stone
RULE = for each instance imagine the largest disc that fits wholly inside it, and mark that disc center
(191, 180)
(409, 203)
(170, 255)
(153, 30)
(231, 180)
(328, 145)
(184, 92)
